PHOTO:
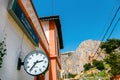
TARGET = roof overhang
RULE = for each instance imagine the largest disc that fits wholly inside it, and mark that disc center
(58, 25)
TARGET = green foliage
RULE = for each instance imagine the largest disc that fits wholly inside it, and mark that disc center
(69, 54)
(110, 66)
(113, 57)
(98, 64)
(114, 61)
(2, 51)
(87, 66)
(102, 75)
(110, 45)
(70, 75)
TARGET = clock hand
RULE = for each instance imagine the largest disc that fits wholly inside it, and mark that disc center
(33, 65)
(39, 61)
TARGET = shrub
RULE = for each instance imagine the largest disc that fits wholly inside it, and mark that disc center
(2, 51)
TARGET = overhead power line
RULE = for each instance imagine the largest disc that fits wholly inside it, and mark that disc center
(111, 23)
(109, 17)
(97, 45)
(114, 28)
(110, 34)
(52, 7)
(109, 27)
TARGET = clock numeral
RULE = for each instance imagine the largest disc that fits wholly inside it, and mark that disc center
(28, 66)
(43, 66)
(40, 70)
(45, 62)
(35, 71)
(29, 58)
(43, 57)
(37, 53)
(27, 62)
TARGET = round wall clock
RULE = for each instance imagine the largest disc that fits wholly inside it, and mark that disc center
(36, 63)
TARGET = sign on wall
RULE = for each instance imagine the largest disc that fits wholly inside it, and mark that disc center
(28, 8)
(22, 21)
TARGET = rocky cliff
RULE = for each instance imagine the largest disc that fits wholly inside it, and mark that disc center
(73, 61)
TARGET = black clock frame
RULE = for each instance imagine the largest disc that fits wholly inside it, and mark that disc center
(43, 54)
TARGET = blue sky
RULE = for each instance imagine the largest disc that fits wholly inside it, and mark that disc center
(80, 19)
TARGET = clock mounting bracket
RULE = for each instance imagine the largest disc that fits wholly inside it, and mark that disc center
(20, 63)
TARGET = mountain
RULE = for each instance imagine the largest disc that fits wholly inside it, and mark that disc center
(73, 61)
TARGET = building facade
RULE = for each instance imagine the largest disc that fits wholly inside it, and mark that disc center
(24, 32)
(53, 27)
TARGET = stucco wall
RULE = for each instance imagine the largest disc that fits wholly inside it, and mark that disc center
(15, 45)
(45, 25)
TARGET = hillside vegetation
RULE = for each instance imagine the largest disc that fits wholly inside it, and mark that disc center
(104, 67)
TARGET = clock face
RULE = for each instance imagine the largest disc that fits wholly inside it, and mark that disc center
(36, 63)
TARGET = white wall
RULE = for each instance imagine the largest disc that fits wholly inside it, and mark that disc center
(45, 25)
(13, 40)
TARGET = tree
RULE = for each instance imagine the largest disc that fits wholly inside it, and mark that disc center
(70, 75)
(87, 66)
(110, 45)
(98, 64)
(113, 57)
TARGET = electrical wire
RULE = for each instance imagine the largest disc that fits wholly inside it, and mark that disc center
(111, 23)
(113, 28)
(108, 26)
(110, 34)
(52, 7)
(109, 18)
